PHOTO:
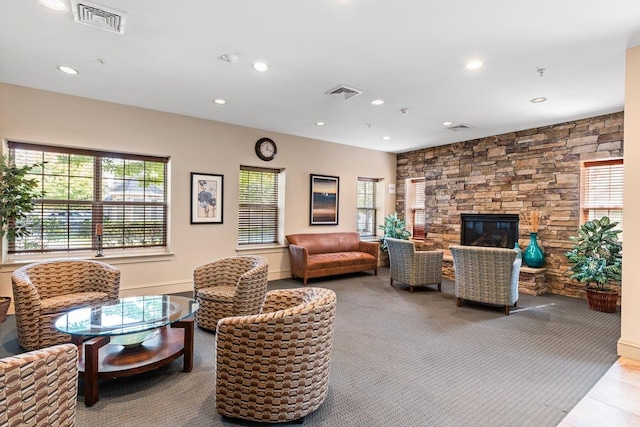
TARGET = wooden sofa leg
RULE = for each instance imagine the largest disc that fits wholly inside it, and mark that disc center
(506, 310)
(304, 281)
(459, 302)
(411, 289)
(375, 272)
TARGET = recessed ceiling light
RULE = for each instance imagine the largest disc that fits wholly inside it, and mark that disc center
(377, 102)
(386, 138)
(53, 4)
(447, 123)
(538, 100)
(219, 101)
(473, 65)
(320, 123)
(260, 66)
(67, 70)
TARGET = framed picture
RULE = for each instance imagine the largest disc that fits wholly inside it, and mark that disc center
(206, 198)
(324, 200)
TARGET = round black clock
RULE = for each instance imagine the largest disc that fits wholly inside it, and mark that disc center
(266, 149)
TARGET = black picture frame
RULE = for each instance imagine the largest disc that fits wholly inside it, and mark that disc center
(324, 199)
(207, 202)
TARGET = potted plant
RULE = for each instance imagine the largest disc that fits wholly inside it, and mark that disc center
(393, 227)
(596, 260)
(17, 191)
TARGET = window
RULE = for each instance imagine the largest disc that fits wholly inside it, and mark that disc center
(261, 201)
(124, 195)
(601, 190)
(416, 209)
(366, 201)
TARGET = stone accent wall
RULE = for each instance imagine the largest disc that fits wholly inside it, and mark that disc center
(513, 173)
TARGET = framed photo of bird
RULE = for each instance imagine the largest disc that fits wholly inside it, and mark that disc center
(206, 198)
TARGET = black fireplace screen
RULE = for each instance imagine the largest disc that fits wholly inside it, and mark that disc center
(493, 230)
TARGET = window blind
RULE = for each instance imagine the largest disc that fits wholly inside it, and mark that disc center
(602, 190)
(125, 193)
(418, 188)
(366, 206)
(258, 206)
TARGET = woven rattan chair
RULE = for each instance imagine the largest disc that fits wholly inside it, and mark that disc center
(45, 290)
(274, 367)
(414, 268)
(233, 286)
(40, 388)
(487, 275)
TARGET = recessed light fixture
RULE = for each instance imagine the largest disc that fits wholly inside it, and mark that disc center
(219, 101)
(377, 102)
(54, 4)
(67, 70)
(473, 65)
(538, 100)
(320, 123)
(260, 66)
(386, 138)
(447, 123)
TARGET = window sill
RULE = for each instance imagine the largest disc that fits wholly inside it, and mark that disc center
(130, 257)
(261, 248)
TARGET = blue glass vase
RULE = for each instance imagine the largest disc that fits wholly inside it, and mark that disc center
(518, 250)
(533, 255)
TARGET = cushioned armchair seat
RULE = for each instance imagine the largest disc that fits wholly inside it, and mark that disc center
(487, 275)
(43, 291)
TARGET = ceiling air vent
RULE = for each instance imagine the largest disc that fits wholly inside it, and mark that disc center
(98, 16)
(344, 92)
(459, 127)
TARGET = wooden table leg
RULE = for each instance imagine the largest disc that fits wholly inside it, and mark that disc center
(187, 325)
(91, 349)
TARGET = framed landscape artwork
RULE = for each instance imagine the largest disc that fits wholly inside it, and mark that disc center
(206, 198)
(324, 200)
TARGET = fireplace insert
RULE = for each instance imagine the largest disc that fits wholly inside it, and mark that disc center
(492, 230)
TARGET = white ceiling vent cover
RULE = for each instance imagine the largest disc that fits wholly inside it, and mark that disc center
(460, 127)
(98, 16)
(344, 92)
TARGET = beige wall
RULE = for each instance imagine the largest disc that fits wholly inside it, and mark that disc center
(195, 145)
(629, 343)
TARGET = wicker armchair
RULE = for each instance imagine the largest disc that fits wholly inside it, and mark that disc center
(40, 388)
(45, 290)
(488, 275)
(414, 268)
(233, 286)
(274, 367)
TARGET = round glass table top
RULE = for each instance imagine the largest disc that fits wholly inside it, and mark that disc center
(128, 316)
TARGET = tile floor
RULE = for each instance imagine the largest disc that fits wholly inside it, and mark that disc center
(613, 401)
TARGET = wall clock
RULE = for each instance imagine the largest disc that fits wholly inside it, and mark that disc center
(266, 149)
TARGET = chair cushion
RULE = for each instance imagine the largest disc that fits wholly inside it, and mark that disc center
(217, 293)
(338, 259)
(68, 302)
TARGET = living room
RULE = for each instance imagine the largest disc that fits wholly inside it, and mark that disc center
(30, 113)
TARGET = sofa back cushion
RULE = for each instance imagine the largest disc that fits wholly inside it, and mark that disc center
(322, 243)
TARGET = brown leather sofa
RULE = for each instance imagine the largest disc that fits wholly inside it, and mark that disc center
(325, 254)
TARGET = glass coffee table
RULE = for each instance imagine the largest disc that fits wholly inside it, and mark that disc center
(129, 337)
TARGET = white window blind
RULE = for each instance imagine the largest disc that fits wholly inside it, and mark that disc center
(259, 209)
(418, 187)
(125, 195)
(602, 190)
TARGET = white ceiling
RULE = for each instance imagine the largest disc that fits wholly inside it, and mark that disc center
(410, 53)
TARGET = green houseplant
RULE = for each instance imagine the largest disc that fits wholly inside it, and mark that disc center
(17, 191)
(596, 260)
(393, 227)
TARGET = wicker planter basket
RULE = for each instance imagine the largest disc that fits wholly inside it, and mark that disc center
(604, 301)
(4, 306)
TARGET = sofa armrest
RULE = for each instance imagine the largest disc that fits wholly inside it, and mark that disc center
(372, 248)
(298, 256)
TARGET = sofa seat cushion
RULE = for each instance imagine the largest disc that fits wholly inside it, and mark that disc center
(62, 303)
(338, 259)
(217, 293)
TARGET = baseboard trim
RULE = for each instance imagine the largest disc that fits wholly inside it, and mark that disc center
(628, 349)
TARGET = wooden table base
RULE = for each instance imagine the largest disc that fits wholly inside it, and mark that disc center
(99, 360)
